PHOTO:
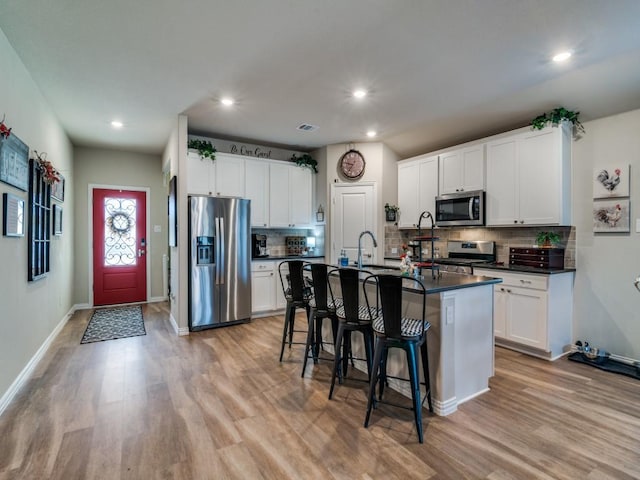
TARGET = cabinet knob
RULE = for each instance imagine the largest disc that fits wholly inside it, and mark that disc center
(508, 290)
(502, 289)
(521, 221)
(515, 221)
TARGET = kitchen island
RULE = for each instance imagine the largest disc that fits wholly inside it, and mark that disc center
(460, 340)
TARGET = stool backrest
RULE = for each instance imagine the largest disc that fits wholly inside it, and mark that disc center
(321, 289)
(391, 289)
(294, 286)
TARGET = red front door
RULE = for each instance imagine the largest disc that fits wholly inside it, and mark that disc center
(119, 247)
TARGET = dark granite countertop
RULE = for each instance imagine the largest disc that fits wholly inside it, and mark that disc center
(524, 269)
(286, 257)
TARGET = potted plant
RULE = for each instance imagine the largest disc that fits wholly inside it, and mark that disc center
(391, 212)
(547, 239)
(305, 160)
(204, 147)
(557, 116)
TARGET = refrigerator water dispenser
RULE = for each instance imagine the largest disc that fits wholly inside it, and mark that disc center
(205, 250)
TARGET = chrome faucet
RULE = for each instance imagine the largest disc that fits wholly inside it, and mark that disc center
(375, 244)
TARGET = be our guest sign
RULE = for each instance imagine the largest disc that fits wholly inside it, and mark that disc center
(248, 149)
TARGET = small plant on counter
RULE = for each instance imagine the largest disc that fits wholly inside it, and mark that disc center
(305, 160)
(557, 116)
(547, 239)
(205, 148)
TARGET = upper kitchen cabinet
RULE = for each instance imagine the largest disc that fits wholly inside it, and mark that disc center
(222, 177)
(257, 190)
(417, 189)
(290, 196)
(529, 178)
(462, 170)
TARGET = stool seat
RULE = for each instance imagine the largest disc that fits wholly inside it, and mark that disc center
(365, 314)
(410, 327)
(332, 305)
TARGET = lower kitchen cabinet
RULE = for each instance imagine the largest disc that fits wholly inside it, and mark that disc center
(533, 312)
(267, 297)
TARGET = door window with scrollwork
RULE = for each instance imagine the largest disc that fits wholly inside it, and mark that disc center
(120, 239)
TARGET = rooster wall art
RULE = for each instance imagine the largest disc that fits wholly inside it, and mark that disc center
(611, 182)
(611, 216)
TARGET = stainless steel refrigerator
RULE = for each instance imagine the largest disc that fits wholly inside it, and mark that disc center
(219, 261)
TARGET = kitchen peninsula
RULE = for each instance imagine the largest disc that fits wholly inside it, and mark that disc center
(460, 340)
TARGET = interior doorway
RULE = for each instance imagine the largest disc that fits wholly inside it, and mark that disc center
(119, 259)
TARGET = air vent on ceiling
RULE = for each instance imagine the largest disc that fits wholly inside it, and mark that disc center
(305, 127)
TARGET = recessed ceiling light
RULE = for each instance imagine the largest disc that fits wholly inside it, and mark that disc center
(227, 102)
(561, 57)
(371, 133)
(360, 93)
(117, 124)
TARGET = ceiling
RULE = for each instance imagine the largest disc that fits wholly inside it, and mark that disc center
(437, 72)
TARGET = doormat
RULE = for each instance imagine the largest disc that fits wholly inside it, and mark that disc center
(112, 323)
(608, 365)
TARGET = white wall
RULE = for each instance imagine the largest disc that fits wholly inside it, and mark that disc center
(30, 311)
(606, 304)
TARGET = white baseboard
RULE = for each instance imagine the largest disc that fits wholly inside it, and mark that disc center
(31, 365)
(613, 356)
(157, 299)
(181, 332)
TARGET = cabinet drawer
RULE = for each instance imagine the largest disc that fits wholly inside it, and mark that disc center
(537, 282)
(262, 266)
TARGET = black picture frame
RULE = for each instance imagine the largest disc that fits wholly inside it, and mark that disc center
(57, 219)
(14, 162)
(172, 210)
(57, 190)
(13, 215)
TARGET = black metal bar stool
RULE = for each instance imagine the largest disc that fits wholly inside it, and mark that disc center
(297, 295)
(393, 330)
(323, 305)
(352, 317)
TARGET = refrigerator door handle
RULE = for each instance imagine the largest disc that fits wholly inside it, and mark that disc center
(217, 253)
(221, 253)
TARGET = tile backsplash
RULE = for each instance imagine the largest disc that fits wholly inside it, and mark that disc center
(505, 238)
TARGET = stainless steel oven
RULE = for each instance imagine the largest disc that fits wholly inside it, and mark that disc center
(460, 209)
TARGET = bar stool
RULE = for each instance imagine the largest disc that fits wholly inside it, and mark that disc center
(323, 305)
(393, 330)
(352, 317)
(297, 294)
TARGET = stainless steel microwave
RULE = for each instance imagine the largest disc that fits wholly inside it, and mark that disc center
(460, 209)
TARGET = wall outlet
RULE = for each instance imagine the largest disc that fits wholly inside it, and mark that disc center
(395, 250)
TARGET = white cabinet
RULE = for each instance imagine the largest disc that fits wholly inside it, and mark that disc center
(262, 286)
(200, 174)
(529, 178)
(417, 189)
(267, 295)
(462, 170)
(290, 196)
(257, 190)
(223, 176)
(532, 312)
(230, 175)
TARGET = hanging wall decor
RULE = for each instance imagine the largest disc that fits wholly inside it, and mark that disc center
(14, 162)
(12, 216)
(611, 181)
(611, 216)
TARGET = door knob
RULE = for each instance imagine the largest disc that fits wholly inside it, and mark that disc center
(140, 252)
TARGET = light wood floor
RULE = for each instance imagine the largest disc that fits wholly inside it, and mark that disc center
(217, 405)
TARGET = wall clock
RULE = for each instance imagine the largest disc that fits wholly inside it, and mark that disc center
(352, 164)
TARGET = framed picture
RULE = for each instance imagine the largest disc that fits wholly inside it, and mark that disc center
(14, 162)
(57, 219)
(173, 220)
(57, 190)
(610, 216)
(611, 181)
(12, 216)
